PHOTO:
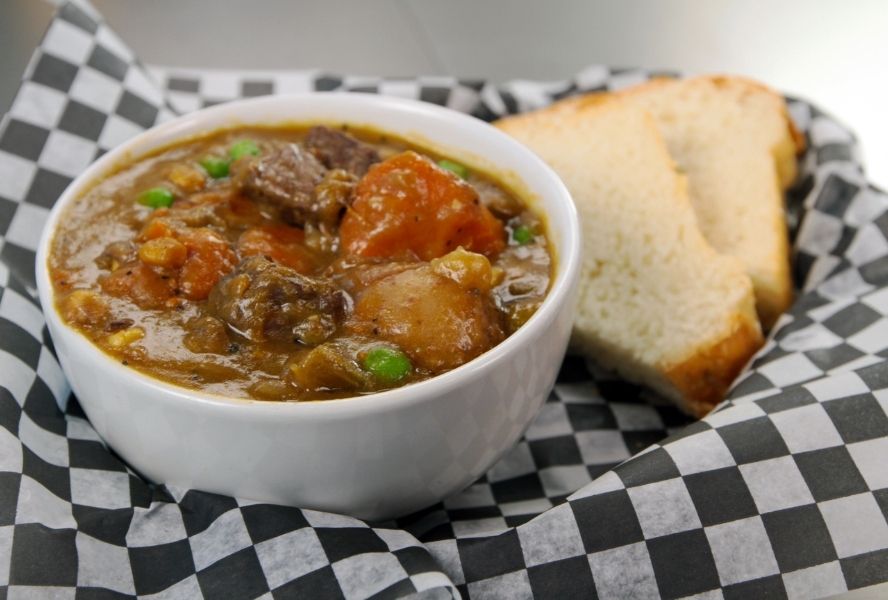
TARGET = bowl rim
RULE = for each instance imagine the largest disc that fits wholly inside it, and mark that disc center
(189, 125)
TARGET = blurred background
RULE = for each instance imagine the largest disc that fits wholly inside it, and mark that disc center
(832, 52)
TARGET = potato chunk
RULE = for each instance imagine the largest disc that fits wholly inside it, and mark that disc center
(206, 334)
(439, 323)
(330, 366)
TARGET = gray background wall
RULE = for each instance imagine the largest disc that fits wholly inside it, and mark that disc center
(834, 52)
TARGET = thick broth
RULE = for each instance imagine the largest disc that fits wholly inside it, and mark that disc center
(286, 278)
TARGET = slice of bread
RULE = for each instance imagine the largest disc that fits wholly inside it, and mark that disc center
(734, 140)
(657, 303)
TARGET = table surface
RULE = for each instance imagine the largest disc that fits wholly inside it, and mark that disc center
(831, 52)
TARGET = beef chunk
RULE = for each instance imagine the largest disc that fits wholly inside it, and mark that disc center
(338, 150)
(200, 210)
(285, 179)
(206, 334)
(333, 365)
(116, 254)
(263, 301)
(331, 197)
(497, 201)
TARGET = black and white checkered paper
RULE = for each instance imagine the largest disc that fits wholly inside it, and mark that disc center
(782, 492)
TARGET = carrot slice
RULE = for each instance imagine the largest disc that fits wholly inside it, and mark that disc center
(209, 259)
(158, 227)
(408, 205)
(280, 243)
(140, 283)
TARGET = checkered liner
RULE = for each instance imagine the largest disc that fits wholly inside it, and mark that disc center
(781, 492)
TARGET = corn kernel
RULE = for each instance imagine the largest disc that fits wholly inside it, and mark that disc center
(124, 337)
(84, 307)
(188, 179)
(164, 252)
(468, 269)
(156, 228)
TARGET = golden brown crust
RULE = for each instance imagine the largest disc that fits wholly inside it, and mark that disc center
(703, 379)
(773, 300)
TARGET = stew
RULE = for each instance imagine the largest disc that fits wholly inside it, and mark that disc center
(298, 263)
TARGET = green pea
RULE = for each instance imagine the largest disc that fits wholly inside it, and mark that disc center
(243, 148)
(215, 166)
(455, 168)
(522, 234)
(389, 365)
(158, 197)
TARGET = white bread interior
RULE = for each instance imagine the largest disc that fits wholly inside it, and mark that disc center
(657, 303)
(734, 140)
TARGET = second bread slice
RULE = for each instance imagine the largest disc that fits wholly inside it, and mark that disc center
(734, 140)
(657, 303)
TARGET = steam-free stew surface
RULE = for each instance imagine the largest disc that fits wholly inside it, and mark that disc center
(298, 263)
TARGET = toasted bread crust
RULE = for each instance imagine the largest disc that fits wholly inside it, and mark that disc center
(703, 379)
(773, 300)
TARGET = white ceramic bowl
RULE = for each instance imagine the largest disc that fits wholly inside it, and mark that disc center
(373, 457)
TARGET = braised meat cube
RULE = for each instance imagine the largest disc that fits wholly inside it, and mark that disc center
(284, 179)
(206, 335)
(116, 254)
(338, 150)
(333, 365)
(331, 197)
(200, 210)
(503, 205)
(265, 301)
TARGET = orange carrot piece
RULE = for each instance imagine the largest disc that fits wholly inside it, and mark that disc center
(140, 283)
(209, 259)
(407, 205)
(281, 244)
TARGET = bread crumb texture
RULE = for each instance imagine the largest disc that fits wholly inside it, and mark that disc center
(734, 140)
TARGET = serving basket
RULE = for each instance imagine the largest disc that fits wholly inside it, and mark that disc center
(781, 491)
